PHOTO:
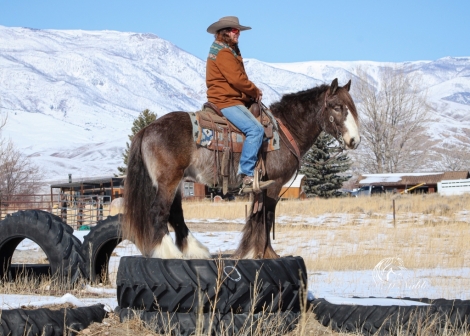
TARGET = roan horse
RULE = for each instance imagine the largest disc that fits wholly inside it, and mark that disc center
(164, 153)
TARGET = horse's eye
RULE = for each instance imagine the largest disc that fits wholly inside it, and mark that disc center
(337, 108)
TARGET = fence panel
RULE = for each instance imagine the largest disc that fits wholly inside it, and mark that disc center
(75, 210)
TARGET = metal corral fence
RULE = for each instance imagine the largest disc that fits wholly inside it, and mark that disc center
(75, 210)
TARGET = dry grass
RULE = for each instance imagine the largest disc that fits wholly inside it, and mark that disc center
(434, 204)
(309, 327)
(356, 233)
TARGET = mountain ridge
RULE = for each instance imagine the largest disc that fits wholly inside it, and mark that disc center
(71, 96)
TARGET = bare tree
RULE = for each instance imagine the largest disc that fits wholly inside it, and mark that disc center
(453, 157)
(18, 175)
(394, 116)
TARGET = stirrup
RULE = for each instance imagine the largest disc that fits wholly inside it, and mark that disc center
(262, 185)
(255, 185)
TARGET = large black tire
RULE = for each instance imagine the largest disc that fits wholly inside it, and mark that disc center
(178, 285)
(29, 271)
(185, 324)
(54, 237)
(43, 321)
(98, 245)
(388, 320)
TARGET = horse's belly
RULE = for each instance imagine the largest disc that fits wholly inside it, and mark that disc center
(203, 167)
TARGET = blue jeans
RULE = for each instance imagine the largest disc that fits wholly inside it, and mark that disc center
(242, 118)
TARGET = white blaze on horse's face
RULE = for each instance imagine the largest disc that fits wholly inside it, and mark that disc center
(351, 137)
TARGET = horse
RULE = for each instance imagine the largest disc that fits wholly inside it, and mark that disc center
(164, 153)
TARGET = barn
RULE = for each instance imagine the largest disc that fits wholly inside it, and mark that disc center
(293, 189)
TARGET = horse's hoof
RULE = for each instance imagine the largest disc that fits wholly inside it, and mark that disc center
(166, 249)
(195, 249)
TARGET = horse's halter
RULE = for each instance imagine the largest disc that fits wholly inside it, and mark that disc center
(339, 135)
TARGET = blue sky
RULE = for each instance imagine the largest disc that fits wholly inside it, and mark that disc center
(283, 30)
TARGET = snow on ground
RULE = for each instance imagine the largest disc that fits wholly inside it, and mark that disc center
(14, 301)
(418, 283)
(336, 286)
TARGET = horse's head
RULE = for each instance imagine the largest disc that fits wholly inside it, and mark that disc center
(340, 115)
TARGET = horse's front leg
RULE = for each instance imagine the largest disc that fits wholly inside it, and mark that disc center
(256, 242)
(190, 246)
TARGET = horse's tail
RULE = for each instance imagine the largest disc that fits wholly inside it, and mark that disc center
(139, 198)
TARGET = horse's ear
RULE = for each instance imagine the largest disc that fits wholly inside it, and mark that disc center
(334, 86)
(348, 85)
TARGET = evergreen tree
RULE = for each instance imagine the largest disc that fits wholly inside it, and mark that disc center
(322, 168)
(145, 118)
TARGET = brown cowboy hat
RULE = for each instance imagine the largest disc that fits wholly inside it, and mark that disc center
(226, 22)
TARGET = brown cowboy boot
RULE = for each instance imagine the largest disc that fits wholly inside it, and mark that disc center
(248, 182)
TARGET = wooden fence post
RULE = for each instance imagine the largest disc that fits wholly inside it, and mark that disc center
(81, 206)
(63, 207)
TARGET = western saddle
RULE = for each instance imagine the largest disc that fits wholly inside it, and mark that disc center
(228, 139)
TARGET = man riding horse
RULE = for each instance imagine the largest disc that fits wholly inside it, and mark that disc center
(229, 88)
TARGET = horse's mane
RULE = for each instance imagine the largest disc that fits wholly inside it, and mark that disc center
(301, 97)
(288, 101)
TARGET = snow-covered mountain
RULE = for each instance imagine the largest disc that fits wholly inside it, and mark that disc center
(71, 96)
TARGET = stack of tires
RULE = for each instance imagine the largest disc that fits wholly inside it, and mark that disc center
(216, 295)
(67, 265)
(69, 260)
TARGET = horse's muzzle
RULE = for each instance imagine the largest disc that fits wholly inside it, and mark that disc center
(353, 142)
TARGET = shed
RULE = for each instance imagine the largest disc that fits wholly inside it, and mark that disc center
(109, 186)
(293, 189)
(194, 190)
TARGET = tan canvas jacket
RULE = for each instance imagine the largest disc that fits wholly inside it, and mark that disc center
(226, 79)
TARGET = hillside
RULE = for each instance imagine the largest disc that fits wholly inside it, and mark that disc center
(71, 96)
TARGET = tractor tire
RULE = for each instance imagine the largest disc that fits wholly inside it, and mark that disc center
(185, 286)
(98, 246)
(186, 324)
(29, 271)
(54, 237)
(43, 321)
(389, 320)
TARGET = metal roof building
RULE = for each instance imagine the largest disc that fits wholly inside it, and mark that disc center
(402, 181)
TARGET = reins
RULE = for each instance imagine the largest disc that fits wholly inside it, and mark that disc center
(291, 144)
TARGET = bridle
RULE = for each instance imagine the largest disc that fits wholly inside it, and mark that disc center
(338, 134)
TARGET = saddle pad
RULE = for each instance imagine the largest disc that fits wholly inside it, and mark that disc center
(204, 136)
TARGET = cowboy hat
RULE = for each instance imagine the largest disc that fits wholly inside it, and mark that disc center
(226, 22)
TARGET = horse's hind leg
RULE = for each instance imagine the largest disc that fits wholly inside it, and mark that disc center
(166, 177)
(164, 247)
(190, 246)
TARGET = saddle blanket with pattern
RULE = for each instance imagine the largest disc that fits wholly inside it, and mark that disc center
(204, 133)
